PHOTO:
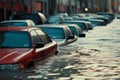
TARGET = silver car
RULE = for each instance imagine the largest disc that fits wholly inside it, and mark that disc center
(76, 30)
(59, 32)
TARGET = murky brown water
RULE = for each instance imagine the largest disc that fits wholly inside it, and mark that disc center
(96, 57)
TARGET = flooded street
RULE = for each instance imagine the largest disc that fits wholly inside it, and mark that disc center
(95, 57)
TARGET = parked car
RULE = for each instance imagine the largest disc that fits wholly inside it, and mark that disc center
(97, 22)
(37, 17)
(62, 14)
(110, 16)
(22, 48)
(59, 32)
(17, 23)
(68, 18)
(76, 30)
(55, 19)
(81, 24)
(89, 25)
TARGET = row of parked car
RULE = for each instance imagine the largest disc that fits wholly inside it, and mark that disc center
(30, 38)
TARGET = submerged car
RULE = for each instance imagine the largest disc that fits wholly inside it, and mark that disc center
(76, 30)
(89, 24)
(22, 48)
(81, 24)
(17, 23)
(55, 19)
(37, 17)
(97, 22)
(59, 32)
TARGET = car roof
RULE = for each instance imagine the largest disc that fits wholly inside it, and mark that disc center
(16, 28)
(15, 21)
(52, 25)
(70, 24)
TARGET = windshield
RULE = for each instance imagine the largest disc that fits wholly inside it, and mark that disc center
(54, 20)
(13, 24)
(55, 33)
(14, 39)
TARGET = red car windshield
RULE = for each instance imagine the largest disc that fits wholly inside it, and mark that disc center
(14, 39)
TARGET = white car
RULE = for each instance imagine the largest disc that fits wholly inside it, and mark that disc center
(17, 23)
(59, 32)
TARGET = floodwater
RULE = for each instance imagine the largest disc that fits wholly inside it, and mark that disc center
(95, 57)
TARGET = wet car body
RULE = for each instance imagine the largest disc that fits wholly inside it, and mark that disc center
(68, 18)
(89, 24)
(22, 48)
(76, 30)
(55, 19)
(36, 17)
(110, 16)
(81, 24)
(97, 22)
(17, 23)
(59, 32)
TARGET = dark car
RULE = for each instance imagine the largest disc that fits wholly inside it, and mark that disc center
(23, 47)
(38, 18)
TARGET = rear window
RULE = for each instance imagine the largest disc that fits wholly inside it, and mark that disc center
(13, 24)
(55, 33)
(14, 39)
(97, 23)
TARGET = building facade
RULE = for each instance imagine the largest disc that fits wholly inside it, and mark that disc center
(50, 7)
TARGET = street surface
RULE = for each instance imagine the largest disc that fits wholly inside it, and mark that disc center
(95, 57)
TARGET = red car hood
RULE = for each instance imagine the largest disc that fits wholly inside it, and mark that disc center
(12, 55)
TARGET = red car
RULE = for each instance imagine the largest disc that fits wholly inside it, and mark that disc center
(21, 48)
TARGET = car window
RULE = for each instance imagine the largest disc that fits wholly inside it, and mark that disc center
(14, 39)
(43, 36)
(35, 37)
(81, 25)
(55, 33)
(73, 29)
(13, 24)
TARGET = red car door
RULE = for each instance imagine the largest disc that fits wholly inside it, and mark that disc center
(38, 55)
(50, 47)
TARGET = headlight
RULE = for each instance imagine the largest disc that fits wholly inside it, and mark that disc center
(13, 67)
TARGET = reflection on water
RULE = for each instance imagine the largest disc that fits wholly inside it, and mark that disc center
(95, 57)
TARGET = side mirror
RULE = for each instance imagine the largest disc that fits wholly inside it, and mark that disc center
(90, 28)
(39, 45)
(82, 35)
(71, 37)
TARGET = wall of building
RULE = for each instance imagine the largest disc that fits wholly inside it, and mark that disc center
(51, 7)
